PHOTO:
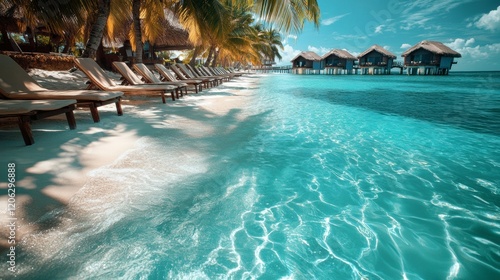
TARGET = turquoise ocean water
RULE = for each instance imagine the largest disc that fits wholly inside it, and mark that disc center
(329, 177)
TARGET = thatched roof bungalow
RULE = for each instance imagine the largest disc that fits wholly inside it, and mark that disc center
(338, 61)
(376, 60)
(306, 63)
(429, 57)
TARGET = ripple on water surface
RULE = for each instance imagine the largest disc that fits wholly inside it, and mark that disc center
(329, 179)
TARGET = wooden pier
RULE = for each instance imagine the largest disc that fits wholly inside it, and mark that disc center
(398, 64)
(274, 69)
(356, 69)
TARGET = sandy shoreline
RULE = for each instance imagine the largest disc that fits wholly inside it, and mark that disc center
(52, 171)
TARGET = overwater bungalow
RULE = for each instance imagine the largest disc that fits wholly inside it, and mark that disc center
(306, 63)
(429, 58)
(338, 62)
(376, 60)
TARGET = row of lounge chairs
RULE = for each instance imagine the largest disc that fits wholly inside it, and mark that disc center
(22, 97)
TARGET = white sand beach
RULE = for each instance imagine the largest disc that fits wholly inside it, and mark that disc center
(81, 170)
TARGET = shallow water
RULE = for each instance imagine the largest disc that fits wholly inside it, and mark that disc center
(344, 177)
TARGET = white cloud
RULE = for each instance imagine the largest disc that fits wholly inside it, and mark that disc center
(493, 48)
(287, 54)
(476, 52)
(320, 51)
(457, 43)
(332, 20)
(387, 47)
(379, 28)
(470, 42)
(421, 13)
(412, 24)
(428, 35)
(287, 37)
(341, 37)
(489, 21)
(353, 53)
(312, 49)
(465, 48)
(405, 46)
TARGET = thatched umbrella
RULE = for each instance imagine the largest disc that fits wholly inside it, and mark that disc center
(10, 21)
(10, 24)
(172, 37)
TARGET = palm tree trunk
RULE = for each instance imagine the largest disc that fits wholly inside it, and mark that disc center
(5, 40)
(97, 29)
(100, 57)
(136, 11)
(31, 40)
(192, 62)
(69, 40)
(210, 56)
(214, 60)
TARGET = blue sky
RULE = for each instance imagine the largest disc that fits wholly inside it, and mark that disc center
(471, 27)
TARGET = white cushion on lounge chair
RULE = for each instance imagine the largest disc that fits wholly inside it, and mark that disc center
(171, 76)
(80, 94)
(12, 107)
(15, 83)
(144, 71)
(98, 77)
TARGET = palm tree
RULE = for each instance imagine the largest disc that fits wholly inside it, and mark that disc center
(241, 36)
(286, 15)
(270, 41)
(205, 20)
(97, 29)
(142, 19)
(62, 19)
(136, 14)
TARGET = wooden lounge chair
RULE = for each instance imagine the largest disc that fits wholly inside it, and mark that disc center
(232, 70)
(150, 78)
(212, 71)
(202, 72)
(15, 83)
(100, 80)
(206, 82)
(28, 110)
(169, 76)
(185, 71)
(224, 71)
(217, 79)
(130, 78)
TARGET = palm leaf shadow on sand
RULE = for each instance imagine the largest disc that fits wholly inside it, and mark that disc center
(228, 133)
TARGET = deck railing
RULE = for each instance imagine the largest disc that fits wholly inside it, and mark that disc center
(382, 63)
(422, 63)
(397, 64)
(275, 69)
